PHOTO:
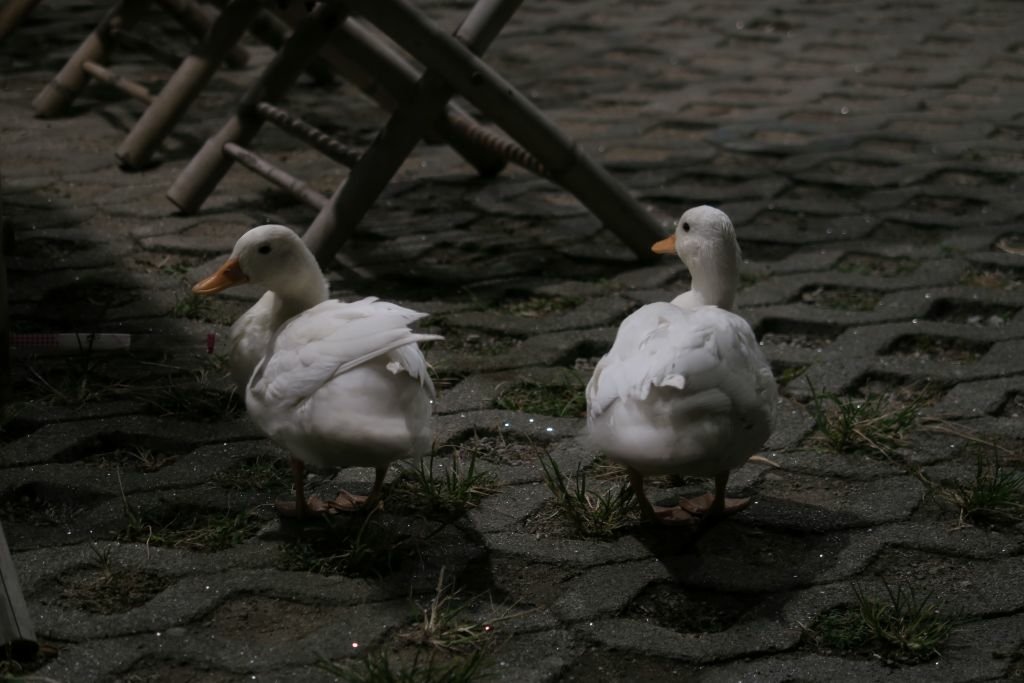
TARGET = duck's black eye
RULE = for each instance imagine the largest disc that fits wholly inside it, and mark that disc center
(264, 249)
(686, 227)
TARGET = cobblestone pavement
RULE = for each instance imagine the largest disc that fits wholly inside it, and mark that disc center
(870, 155)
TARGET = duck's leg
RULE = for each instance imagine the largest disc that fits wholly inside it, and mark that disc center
(655, 513)
(636, 482)
(378, 489)
(713, 506)
(300, 508)
(350, 502)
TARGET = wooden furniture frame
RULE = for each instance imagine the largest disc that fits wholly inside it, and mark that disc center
(452, 65)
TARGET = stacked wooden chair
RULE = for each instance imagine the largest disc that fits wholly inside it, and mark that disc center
(366, 42)
(451, 65)
(91, 58)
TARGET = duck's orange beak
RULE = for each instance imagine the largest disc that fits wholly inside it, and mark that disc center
(665, 246)
(228, 275)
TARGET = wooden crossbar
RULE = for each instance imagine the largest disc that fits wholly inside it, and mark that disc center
(125, 85)
(310, 134)
(287, 182)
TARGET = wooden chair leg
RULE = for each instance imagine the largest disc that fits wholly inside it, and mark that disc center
(11, 14)
(353, 198)
(208, 166)
(386, 76)
(185, 84)
(274, 32)
(565, 163)
(192, 18)
(58, 94)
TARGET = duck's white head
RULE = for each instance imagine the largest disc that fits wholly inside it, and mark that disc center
(276, 258)
(705, 240)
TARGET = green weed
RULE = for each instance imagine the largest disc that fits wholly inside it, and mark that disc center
(993, 495)
(189, 529)
(445, 626)
(876, 422)
(540, 306)
(192, 306)
(102, 587)
(188, 395)
(256, 473)
(841, 298)
(902, 627)
(137, 457)
(911, 627)
(373, 550)
(592, 513)
(377, 667)
(565, 399)
(448, 485)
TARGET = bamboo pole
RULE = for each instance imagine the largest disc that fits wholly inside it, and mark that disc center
(407, 126)
(565, 163)
(257, 164)
(185, 84)
(195, 21)
(58, 94)
(125, 85)
(210, 164)
(274, 32)
(388, 77)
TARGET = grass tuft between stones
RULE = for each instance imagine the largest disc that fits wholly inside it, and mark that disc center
(565, 399)
(260, 472)
(540, 306)
(595, 513)
(192, 306)
(379, 667)
(185, 393)
(350, 546)
(446, 624)
(189, 529)
(994, 494)
(876, 422)
(901, 627)
(103, 587)
(445, 484)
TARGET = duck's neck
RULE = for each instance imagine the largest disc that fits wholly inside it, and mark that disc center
(306, 289)
(714, 281)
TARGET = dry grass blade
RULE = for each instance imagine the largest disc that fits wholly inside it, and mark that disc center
(935, 424)
(876, 422)
(447, 626)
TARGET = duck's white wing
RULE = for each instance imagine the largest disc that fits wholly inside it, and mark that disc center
(332, 338)
(694, 351)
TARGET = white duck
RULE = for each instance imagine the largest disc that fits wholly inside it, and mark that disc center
(685, 388)
(336, 384)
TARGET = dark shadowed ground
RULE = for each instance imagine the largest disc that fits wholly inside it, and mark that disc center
(870, 155)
